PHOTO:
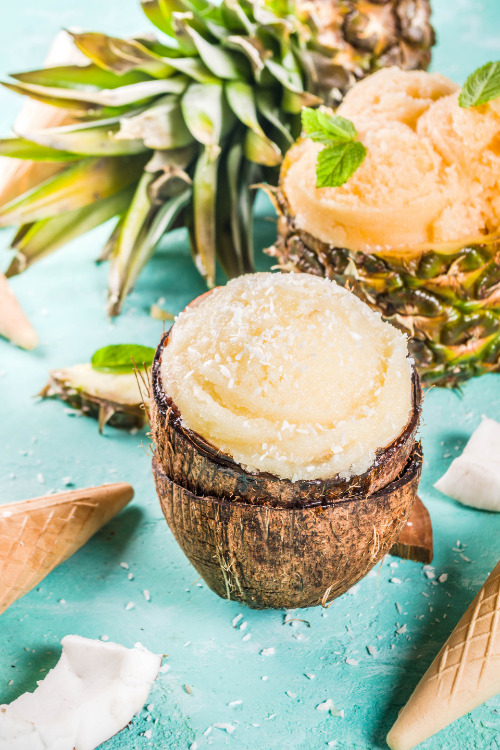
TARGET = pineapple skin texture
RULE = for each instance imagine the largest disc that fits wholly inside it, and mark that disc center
(361, 37)
(448, 304)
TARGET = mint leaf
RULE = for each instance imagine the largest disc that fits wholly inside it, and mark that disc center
(481, 86)
(328, 129)
(117, 358)
(337, 163)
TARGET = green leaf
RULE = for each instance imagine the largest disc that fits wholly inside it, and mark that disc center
(268, 107)
(337, 163)
(123, 250)
(119, 359)
(85, 182)
(206, 114)
(328, 129)
(19, 148)
(160, 127)
(120, 55)
(91, 139)
(261, 150)
(80, 77)
(241, 99)
(481, 86)
(204, 202)
(159, 220)
(223, 63)
(43, 237)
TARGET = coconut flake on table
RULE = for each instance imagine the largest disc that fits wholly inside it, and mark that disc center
(473, 478)
(92, 693)
(267, 651)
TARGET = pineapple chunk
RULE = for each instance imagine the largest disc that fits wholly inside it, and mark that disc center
(289, 374)
(430, 175)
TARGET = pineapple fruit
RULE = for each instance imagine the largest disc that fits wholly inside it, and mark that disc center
(174, 132)
(414, 231)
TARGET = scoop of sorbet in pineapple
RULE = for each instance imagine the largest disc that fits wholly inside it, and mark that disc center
(289, 374)
(393, 94)
(436, 181)
(390, 200)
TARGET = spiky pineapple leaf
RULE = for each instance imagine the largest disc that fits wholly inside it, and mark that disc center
(91, 139)
(160, 218)
(122, 96)
(120, 55)
(122, 252)
(337, 163)
(204, 213)
(80, 77)
(119, 359)
(43, 237)
(206, 113)
(160, 127)
(86, 182)
(20, 148)
(261, 150)
(481, 86)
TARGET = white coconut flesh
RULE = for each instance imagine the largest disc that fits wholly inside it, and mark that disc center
(91, 694)
(430, 173)
(121, 388)
(474, 477)
(289, 374)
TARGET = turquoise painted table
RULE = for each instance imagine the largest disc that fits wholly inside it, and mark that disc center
(65, 297)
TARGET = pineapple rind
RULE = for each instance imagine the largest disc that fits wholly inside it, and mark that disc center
(448, 302)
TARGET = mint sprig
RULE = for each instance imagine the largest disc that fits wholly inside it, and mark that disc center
(119, 359)
(342, 154)
(481, 86)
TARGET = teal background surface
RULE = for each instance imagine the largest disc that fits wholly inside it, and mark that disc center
(65, 296)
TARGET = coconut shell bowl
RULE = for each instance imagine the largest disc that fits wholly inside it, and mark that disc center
(269, 542)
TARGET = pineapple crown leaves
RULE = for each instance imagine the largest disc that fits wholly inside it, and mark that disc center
(219, 97)
(342, 154)
(481, 86)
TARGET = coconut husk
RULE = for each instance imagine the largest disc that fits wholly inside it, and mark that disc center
(277, 557)
(463, 675)
(415, 542)
(191, 462)
(37, 535)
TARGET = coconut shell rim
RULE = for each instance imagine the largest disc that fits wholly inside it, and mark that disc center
(413, 467)
(169, 410)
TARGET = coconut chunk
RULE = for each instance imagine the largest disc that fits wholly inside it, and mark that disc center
(91, 694)
(474, 477)
(322, 383)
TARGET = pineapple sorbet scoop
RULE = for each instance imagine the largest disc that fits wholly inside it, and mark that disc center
(289, 374)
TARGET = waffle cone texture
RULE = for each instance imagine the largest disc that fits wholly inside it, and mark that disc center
(465, 673)
(37, 535)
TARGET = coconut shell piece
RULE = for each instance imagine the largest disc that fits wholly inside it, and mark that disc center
(37, 535)
(415, 542)
(191, 462)
(463, 675)
(278, 557)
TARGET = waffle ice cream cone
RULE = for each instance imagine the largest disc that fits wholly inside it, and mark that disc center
(37, 535)
(14, 324)
(465, 673)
